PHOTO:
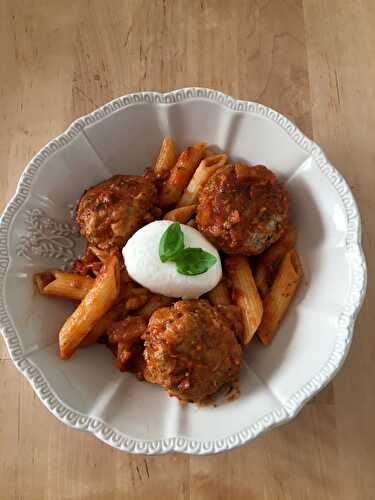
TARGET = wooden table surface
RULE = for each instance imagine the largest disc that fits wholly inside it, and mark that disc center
(314, 61)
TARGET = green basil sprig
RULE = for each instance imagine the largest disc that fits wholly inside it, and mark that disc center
(189, 261)
(171, 243)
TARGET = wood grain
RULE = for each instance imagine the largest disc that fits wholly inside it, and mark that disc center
(312, 60)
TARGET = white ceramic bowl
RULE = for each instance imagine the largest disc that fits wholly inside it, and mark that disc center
(36, 233)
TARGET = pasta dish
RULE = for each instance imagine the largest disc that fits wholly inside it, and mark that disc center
(184, 266)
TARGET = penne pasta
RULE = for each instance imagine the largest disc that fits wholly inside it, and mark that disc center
(208, 152)
(102, 255)
(132, 295)
(101, 326)
(219, 295)
(180, 174)
(262, 280)
(269, 261)
(123, 355)
(192, 223)
(126, 334)
(124, 276)
(155, 302)
(93, 307)
(207, 167)
(245, 294)
(62, 284)
(277, 300)
(166, 159)
(181, 214)
(138, 300)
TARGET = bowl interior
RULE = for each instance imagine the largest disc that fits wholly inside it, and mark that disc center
(42, 236)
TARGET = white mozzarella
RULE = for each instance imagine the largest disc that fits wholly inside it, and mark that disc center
(141, 256)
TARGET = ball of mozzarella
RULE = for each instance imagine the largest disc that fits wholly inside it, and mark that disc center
(141, 256)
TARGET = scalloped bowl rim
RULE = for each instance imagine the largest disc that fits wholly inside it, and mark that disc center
(293, 406)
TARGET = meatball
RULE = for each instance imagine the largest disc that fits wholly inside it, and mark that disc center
(191, 348)
(110, 212)
(243, 209)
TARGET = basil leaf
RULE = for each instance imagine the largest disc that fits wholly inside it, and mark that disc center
(193, 261)
(171, 243)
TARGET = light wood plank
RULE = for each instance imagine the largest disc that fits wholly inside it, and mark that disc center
(341, 67)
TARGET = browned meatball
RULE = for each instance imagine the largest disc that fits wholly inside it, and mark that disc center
(110, 212)
(243, 209)
(191, 348)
